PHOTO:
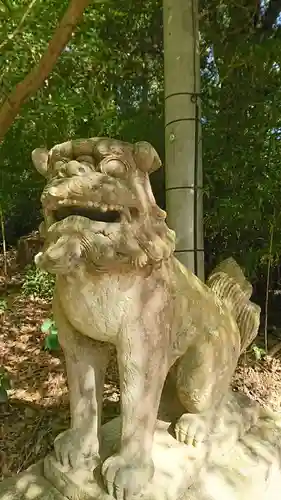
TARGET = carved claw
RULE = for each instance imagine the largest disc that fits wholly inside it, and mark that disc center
(191, 429)
(126, 478)
(77, 451)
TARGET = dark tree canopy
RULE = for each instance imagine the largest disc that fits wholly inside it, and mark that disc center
(109, 80)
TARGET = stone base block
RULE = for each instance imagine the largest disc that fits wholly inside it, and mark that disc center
(250, 470)
(176, 468)
(29, 485)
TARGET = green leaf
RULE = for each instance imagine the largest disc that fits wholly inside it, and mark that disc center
(258, 352)
(53, 330)
(3, 305)
(51, 343)
(46, 325)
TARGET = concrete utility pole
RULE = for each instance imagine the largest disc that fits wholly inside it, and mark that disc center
(183, 165)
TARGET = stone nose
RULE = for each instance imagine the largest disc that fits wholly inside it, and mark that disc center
(74, 167)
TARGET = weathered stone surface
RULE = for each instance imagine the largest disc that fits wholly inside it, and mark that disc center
(29, 485)
(178, 340)
(248, 469)
(251, 471)
(175, 468)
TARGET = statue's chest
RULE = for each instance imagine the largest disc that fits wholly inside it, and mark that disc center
(96, 308)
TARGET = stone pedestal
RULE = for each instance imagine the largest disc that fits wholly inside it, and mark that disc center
(250, 470)
(176, 467)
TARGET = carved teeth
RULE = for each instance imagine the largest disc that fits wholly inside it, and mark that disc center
(124, 211)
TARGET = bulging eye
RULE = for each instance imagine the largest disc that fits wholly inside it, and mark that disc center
(113, 167)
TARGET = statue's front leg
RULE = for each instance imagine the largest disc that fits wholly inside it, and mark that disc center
(143, 367)
(86, 362)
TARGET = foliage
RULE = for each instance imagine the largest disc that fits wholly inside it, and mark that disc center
(3, 305)
(51, 342)
(109, 81)
(241, 145)
(258, 352)
(83, 96)
(38, 283)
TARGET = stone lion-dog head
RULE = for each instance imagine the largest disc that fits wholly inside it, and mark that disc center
(99, 207)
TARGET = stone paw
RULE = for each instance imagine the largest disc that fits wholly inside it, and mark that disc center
(191, 429)
(76, 450)
(126, 478)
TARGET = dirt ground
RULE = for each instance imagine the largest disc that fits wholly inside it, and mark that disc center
(37, 408)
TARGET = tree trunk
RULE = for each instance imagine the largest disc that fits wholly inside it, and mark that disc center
(183, 169)
(33, 81)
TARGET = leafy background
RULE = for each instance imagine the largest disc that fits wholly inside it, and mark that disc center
(109, 80)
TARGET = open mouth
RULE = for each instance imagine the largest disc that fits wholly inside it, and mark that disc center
(90, 213)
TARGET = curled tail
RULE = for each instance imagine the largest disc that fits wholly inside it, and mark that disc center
(229, 284)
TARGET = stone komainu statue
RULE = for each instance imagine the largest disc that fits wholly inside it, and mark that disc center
(119, 283)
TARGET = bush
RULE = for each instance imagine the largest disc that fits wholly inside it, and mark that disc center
(38, 283)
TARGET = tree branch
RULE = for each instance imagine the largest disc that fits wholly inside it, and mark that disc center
(33, 81)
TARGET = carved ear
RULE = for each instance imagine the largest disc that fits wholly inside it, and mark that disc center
(146, 157)
(40, 160)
